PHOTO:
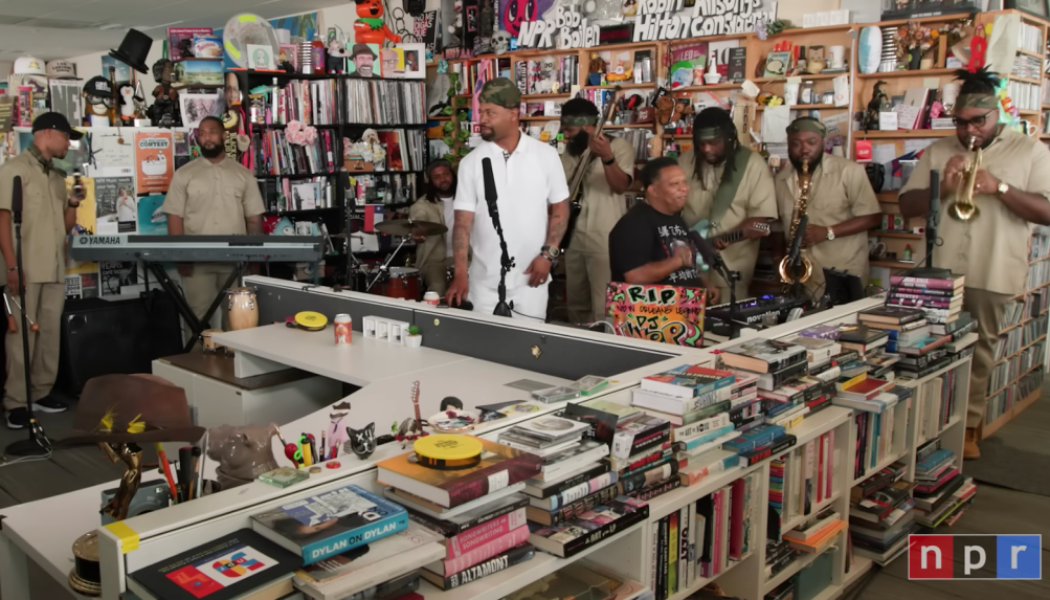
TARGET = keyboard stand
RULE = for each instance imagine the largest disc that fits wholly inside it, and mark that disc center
(196, 325)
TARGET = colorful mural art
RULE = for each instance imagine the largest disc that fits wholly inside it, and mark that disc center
(661, 313)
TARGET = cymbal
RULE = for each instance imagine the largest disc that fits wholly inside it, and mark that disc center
(407, 227)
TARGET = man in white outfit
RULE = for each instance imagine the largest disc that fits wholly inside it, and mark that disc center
(532, 194)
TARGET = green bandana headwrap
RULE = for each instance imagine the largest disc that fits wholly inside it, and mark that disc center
(807, 124)
(710, 133)
(373, 23)
(988, 101)
(501, 92)
(579, 120)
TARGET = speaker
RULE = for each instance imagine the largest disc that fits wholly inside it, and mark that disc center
(101, 337)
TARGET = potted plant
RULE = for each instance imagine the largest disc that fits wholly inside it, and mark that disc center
(414, 339)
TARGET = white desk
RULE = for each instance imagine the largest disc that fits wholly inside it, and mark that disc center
(275, 347)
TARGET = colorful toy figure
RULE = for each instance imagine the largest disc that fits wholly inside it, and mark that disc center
(370, 27)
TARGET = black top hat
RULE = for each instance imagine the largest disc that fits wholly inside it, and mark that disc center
(134, 50)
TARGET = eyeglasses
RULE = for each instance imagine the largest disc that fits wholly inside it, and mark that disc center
(978, 121)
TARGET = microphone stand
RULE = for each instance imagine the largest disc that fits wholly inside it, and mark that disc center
(37, 444)
(933, 218)
(506, 264)
(731, 277)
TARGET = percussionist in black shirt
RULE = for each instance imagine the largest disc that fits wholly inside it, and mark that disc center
(650, 244)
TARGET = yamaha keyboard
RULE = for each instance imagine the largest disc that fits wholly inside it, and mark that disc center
(198, 248)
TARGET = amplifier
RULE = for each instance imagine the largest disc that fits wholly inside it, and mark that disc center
(101, 337)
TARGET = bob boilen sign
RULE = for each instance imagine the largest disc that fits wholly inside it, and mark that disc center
(566, 28)
(660, 20)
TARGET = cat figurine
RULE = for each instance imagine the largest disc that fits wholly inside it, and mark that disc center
(362, 441)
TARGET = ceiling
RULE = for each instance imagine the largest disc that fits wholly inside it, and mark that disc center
(51, 29)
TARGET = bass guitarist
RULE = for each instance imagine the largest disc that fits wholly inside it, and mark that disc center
(730, 191)
(602, 204)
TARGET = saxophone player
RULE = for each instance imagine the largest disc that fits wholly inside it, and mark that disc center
(841, 205)
(1011, 192)
(608, 175)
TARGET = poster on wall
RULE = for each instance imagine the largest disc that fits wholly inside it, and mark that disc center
(195, 107)
(364, 61)
(154, 161)
(112, 154)
(661, 313)
(84, 285)
(152, 220)
(113, 275)
(66, 100)
(84, 225)
(113, 195)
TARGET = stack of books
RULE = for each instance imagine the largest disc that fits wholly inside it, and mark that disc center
(789, 385)
(800, 483)
(818, 534)
(939, 299)
(882, 514)
(941, 490)
(476, 512)
(345, 537)
(779, 554)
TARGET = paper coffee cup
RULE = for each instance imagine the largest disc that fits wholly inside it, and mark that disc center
(431, 298)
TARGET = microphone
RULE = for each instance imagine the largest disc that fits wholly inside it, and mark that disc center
(705, 248)
(796, 244)
(16, 199)
(935, 195)
(490, 182)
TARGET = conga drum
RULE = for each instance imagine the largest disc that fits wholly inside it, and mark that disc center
(243, 309)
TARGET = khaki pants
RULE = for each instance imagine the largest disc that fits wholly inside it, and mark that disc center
(435, 275)
(201, 287)
(988, 308)
(44, 303)
(587, 276)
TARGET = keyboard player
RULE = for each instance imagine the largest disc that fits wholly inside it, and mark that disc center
(212, 195)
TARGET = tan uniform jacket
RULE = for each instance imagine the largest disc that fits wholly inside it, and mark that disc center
(214, 199)
(44, 201)
(602, 207)
(754, 198)
(433, 249)
(839, 191)
(992, 249)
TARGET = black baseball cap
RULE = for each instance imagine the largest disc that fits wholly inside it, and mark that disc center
(57, 121)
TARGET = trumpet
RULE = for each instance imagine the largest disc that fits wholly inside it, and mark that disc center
(963, 207)
(786, 274)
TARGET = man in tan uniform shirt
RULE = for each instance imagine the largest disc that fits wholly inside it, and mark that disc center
(842, 206)
(212, 195)
(716, 149)
(434, 253)
(608, 176)
(991, 250)
(48, 214)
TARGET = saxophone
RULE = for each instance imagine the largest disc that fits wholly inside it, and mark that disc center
(786, 275)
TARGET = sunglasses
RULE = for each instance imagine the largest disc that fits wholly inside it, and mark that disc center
(978, 121)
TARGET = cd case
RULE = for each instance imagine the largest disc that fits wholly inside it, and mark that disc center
(556, 394)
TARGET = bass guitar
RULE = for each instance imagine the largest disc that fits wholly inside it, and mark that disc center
(730, 237)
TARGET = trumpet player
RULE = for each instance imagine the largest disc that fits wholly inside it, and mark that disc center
(990, 245)
(841, 205)
(602, 203)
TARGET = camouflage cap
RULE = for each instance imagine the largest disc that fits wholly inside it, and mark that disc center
(501, 92)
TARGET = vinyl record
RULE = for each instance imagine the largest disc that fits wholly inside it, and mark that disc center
(311, 321)
(244, 29)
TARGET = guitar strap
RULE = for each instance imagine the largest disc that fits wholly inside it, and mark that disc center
(726, 192)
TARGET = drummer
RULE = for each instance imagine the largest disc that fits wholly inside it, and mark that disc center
(434, 252)
(211, 195)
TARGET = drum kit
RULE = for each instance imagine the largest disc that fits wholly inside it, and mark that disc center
(397, 282)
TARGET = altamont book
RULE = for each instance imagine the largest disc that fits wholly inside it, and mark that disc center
(228, 567)
(495, 564)
(331, 523)
(500, 465)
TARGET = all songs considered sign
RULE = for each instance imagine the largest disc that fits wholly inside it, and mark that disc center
(661, 313)
(659, 20)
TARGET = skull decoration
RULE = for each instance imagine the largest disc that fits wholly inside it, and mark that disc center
(500, 42)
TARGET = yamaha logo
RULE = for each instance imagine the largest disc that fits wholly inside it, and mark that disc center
(100, 240)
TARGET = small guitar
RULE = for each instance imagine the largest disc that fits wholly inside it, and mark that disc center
(730, 237)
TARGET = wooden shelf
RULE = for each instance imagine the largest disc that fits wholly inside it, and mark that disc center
(810, 107)
(1040, 259)
(906, 73)
(803, 76)
(904, 133)
(626, 86)
(1021, 349)
(893, 264)
(707, 88)
(527, 97)
(1029, 53)
(629, 125)
(1023, 374)
(897, 234)
(1025, 80)
(1034, 113)
(543, 118)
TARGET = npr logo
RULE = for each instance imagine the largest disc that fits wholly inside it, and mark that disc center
(974, 557)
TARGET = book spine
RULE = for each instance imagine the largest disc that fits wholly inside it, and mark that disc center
(561, 486)
(487, 551)
(626, 444)
(755, 456)
(736, 520)
(582, 490)
(482, 534)
(704, 413)
(683, 548)
(688, 432)
(919, 282)
(581, 543)
(695, 476)
(488, 480)
(635, 463)
(710, 436)
(672, 553)
(661, 572)
(495, 564)
(654, 558)
(650, 492)
(349, 540)
(575, 509)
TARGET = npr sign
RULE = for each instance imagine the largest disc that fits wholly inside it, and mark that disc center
(975, 557)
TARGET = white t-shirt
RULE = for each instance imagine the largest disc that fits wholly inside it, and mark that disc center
(526, 183)
(450, 218)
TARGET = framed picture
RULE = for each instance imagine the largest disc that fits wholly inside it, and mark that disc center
(1036, 8)
(289, 54)
(260, 57)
